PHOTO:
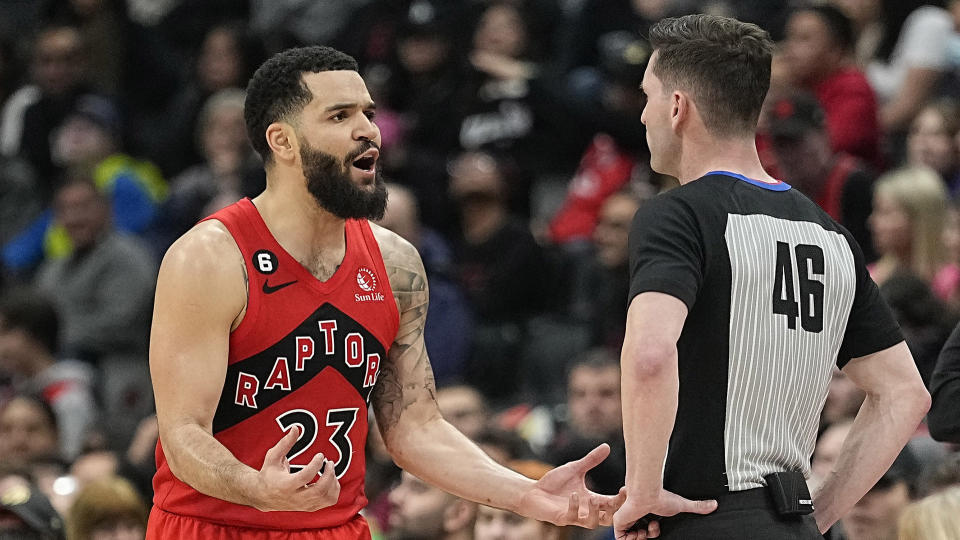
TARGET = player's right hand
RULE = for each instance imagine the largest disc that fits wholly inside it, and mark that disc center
(279, 489)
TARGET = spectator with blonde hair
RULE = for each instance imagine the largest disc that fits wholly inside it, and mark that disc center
(909, 209)
(936, 517)
(107, 509)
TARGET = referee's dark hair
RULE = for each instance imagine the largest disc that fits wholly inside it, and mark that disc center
(277, 90)
(722, 62)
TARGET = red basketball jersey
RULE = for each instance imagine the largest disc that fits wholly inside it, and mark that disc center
(307, 353)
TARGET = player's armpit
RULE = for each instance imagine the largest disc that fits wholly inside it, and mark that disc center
(405, 389)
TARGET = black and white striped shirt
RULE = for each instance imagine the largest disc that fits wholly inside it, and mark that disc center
(777, 293)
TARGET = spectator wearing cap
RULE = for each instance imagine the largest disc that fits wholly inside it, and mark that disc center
(29, 344)
(819, 47)
(589, 31)
(89, 145)
(875, 516)
(104, 292)
(25, 513)
(837, 181)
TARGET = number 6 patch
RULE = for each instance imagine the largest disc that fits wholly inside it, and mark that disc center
(265, 261)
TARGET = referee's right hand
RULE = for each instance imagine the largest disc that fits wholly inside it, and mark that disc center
(666, 504)
(279, 489)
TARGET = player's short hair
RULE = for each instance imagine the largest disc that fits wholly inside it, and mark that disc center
(277, 90)
(722, 62)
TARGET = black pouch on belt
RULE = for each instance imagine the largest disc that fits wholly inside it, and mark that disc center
(789, 493)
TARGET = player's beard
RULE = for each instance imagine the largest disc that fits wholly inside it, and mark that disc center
(328, 180)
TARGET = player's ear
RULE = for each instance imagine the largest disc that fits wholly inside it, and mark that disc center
(282, 140)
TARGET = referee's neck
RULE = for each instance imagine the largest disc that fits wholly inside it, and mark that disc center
(737, 155)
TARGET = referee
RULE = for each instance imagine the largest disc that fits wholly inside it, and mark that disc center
(743, 296)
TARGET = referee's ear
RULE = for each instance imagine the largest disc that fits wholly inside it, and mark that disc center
(681, 109)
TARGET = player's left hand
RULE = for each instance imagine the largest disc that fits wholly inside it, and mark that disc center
(562, 498)
(667, 504)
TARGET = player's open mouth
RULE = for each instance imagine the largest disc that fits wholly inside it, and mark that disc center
(367, 161)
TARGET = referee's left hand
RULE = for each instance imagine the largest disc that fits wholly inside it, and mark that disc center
(667, 504)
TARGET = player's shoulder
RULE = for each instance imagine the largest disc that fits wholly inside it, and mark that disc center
(403, 264)
(204, 248)
(395, 249)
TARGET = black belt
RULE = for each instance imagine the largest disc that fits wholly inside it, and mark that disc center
(747, 499)
(732, 501)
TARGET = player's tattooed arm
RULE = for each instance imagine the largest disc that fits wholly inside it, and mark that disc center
(422, 443)
(406, 379)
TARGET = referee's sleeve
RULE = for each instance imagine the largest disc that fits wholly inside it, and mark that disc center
(871, 327)
(666, 250)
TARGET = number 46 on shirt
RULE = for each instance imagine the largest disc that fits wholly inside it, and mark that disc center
(806, 261)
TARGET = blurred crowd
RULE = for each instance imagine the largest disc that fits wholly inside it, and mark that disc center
(515, 157)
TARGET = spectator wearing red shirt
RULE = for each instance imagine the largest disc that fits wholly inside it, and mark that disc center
(819, 46)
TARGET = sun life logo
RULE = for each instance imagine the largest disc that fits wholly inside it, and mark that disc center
(366, 279)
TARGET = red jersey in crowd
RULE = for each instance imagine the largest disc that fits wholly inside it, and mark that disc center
(851, 110)
(603, 170)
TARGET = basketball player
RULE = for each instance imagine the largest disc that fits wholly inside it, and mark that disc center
(744, 294)
(278, 319)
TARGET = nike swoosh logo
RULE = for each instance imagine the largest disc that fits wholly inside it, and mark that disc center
(267, 289)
